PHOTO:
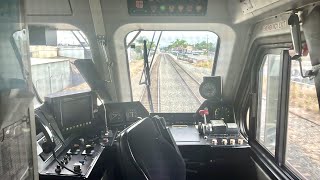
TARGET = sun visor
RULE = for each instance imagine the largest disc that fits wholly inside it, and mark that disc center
(90, 74)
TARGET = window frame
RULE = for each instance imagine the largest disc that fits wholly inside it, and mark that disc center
(214, 62)
(275, 163)
(287, 166)
(84, 35)
(257, 92)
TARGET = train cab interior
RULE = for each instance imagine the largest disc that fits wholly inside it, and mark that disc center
(159, 89)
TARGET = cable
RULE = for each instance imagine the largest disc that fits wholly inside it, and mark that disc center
(105, 112)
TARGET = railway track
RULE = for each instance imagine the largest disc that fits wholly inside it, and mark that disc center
(181, 76)
(188, 80)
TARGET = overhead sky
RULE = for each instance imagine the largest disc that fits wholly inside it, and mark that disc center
(192, 37)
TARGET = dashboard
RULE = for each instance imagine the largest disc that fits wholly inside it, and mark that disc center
(72, 133)
(217, 111)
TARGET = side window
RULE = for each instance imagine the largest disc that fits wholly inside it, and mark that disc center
(269, 77)
(302, 151)
(52, 65)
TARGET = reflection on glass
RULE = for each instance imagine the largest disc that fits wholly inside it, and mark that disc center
(16, 158)
(12, 51)
(53, 68)
(268, 101)
(303, 150)
(179, 64)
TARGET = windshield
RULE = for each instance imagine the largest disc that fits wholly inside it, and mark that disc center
(178, 62)
(52, 65)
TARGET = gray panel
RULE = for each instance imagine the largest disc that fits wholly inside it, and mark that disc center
(249, 6)
(48, 7)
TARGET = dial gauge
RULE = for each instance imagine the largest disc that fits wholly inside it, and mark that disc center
(208, 90)
(115, 117)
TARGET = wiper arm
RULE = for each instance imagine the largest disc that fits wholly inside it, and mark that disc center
(155, 49)
(147, 75)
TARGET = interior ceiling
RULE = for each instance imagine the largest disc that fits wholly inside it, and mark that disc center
(235, 18)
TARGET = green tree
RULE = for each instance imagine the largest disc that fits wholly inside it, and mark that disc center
(139, 42)
(205, 46)
(178, 43)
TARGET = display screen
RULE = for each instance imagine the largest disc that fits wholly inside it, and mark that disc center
(76, 113)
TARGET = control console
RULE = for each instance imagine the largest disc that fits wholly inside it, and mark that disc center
(71, 139)
(80, 157)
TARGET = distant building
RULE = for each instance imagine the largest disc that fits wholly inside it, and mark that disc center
(189, 49)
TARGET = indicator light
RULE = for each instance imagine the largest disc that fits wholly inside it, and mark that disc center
(162, 7)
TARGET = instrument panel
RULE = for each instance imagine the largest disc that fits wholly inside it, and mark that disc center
(167, 7)
(217, 111)
(122, 114)
(223, 112)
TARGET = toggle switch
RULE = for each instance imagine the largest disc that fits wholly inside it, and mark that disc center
(240, 141)
(224, 141)
(232, 142)
(214, 141)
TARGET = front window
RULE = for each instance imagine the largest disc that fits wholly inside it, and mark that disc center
(178, 61)
(52, 66)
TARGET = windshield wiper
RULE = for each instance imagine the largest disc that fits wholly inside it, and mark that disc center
(146, 69)
(147, 75)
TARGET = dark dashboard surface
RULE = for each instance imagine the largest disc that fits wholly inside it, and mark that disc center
(189, 135)
(217, 110)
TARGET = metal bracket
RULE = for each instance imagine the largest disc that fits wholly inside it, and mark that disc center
(310, 73)
(101, 39)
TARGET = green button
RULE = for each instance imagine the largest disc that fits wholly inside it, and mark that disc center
(162, 8)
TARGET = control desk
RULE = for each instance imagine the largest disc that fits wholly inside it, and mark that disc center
(209, 154)
(72, 142)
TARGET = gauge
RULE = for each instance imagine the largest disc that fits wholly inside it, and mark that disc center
(224, 112)
(132, 113)
(208, 90)
(115, 117)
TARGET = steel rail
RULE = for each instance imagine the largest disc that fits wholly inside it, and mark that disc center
(183, 80)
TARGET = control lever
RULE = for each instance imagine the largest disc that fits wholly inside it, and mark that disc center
(204, 114)
(204, 127)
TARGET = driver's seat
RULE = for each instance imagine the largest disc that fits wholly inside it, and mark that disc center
(143, 153)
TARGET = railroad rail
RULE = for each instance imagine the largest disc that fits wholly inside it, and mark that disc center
(189, 82)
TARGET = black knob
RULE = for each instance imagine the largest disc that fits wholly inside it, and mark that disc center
(69, 156)
(77, 168)
(65, 160)
(58, 169)
(89, 148)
